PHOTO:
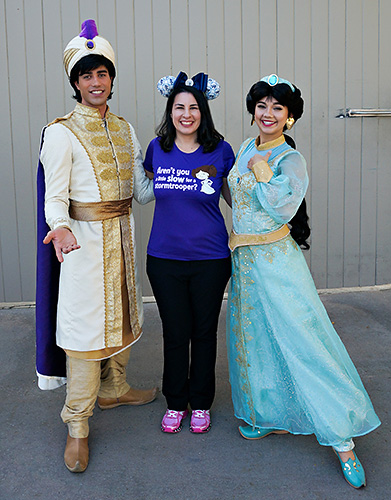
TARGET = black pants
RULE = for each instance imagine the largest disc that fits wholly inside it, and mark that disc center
(189, 296)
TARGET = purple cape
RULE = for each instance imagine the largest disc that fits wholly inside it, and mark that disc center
(50, 359)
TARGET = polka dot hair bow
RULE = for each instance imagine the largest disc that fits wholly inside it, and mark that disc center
(209, 87)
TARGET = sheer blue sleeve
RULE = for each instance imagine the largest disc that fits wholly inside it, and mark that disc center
(283, 194)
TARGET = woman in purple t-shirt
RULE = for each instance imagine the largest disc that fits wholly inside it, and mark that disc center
(188, 261)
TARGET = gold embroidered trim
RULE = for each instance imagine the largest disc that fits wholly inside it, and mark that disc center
(114, 177)
(113, 126)
(241, 292)
(269, 252)
(68, 54)
(105, 156)
(94, 126)
(128, 246)
(113, 297)
(99, 141)
(119, 141)
(123, 157)
(269, 145)
(108, 174)
(125, 175)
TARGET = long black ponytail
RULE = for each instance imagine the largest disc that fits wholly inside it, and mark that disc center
(300, 230)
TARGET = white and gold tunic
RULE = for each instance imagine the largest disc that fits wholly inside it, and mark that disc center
(89, 159)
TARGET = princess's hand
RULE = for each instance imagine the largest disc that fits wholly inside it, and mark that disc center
(256, 158)
(260, 168)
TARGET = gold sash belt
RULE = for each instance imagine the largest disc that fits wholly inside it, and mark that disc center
(242, 240)
(99, 210)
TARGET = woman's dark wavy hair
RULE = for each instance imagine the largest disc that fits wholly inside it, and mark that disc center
(89, 63)
(300, 230)
(281, 92)
(207, 135)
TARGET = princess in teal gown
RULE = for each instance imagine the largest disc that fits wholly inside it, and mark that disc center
(289, 370)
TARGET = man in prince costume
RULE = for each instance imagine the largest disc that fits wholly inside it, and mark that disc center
(90, 169)
(289, 370)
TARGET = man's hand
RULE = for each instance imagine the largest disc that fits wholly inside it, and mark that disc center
(63, 240)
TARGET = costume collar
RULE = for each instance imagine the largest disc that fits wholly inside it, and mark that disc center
(90, 111)
(269, 145)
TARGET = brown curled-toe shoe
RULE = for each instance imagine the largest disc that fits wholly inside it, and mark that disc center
(134, 397)
(76, 454)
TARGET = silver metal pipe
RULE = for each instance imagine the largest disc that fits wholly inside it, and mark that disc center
(364, 113)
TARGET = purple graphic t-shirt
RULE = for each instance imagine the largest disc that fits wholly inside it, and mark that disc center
(187, 223)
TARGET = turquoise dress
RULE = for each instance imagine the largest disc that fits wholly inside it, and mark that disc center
(288, 367)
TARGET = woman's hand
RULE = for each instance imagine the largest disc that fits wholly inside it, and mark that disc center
(63, 241)
(148, 174)
(256, 158)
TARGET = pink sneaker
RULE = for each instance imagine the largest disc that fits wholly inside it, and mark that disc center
(172, 420)
(200, 421)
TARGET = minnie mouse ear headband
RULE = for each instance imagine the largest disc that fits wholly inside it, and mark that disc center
(273, 80)
(209, 87)
(86, 43)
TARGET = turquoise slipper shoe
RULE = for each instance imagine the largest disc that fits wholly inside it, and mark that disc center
(249, 432)
(353, 471)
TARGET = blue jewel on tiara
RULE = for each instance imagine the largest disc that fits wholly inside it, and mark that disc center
(273, 80)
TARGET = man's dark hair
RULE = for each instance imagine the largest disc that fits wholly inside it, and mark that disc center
(86, 64)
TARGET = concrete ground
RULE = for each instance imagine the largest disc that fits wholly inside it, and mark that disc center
(132, 459)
